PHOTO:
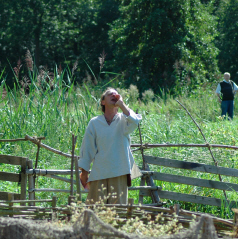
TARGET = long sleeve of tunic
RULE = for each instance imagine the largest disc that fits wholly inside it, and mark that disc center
(108, 146)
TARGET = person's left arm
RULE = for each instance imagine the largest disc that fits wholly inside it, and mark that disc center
(120, 103)
(235, 88)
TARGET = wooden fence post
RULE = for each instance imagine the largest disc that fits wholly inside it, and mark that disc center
(54, 201)
(23, 179)
(31, 184)
(54, 211)
(10, 198)
(72, 168)
(130, 208)
(149, 179)
(77, 175)
(142, 183)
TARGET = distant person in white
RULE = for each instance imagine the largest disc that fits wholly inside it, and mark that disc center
(225, 92)
(106, 144)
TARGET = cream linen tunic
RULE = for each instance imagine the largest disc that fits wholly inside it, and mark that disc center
(108, 146)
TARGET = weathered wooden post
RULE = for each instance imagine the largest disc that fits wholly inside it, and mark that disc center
(130, 208)
(77, 176)
(54, 213)
(23, 179)
(36, 163)
(72, 166)
(54, 201)
(71, 199)
(74, 163)
(176, 209)
(31, 185)
(10, 198)
(148, 178)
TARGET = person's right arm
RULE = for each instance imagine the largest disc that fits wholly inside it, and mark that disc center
(219, 97)
(218, 91)
(87, 153)
(84, 177)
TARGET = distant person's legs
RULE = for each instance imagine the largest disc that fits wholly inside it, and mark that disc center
(224, 108)
(230, 109)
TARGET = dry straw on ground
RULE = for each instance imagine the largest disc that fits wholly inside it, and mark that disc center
(88, 225)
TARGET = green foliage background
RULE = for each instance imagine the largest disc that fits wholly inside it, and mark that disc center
(153, 44)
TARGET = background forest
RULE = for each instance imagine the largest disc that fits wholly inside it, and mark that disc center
(152, 44)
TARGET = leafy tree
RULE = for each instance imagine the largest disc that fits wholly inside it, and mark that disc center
(199, 50)
(146, 39)
(93, 34)
(156, 40)
(25, 21)
(228, 38)
(56, 31)
(155, 43)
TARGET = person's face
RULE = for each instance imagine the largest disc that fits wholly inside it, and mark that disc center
(110, 98)
(227, 77)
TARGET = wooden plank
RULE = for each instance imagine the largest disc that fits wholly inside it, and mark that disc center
(43, 172)
(54, 190)
(147, 146)
(20, 139)
(9, 159)
(192, 198)
(4, 196)
(196, 199)
(11, 177)
(78, 184)
(31, 183)
(67, 180)
(27, 201)
(191, 166)
(195, 181)
(23, 180)
(142, 183)
(145, 187)
(150, 182)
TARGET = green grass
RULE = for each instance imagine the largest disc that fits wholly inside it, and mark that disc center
(66, 109)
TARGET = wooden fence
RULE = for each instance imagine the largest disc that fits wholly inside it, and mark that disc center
(178, 179)
(26, 176)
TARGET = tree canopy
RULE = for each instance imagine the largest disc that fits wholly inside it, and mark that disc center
(154, 44)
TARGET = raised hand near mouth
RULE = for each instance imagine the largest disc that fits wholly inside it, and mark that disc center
(122, 105)
(119, 101)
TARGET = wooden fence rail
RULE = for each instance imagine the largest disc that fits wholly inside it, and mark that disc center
(165, 162)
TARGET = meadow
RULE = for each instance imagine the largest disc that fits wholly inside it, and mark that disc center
(56, 110)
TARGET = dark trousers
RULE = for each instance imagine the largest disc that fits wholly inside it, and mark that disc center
(227, 107)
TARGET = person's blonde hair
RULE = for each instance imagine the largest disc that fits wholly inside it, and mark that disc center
(103, 97)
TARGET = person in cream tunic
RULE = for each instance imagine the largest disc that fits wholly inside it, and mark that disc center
(106, 145)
